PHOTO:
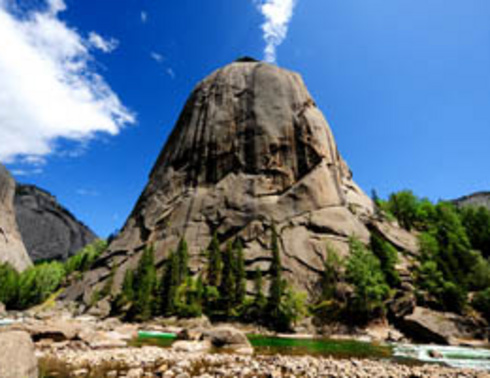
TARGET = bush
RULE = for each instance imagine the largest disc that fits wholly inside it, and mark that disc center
(84, 260)
(481, 303)
(37, 283)
(9, 281)
(370, 289)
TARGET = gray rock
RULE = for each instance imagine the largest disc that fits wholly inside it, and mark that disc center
(429, 326)
(48, 229)
(475, 199)
(17, 358)
(12, 249)
(228, 338)
(250, 149)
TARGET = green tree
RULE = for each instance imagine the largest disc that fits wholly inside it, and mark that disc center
(145, 280)
(363, 271)
(403, 205)
(170, 284)
(183, 257)
(331, 273)
(215, 264)
(277, 285)
(240, 274)
(481, 302)
(227, 288)
(9, 282)
(388, 258)
(476, 221)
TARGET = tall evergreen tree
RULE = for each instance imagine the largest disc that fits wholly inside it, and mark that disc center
(183, 255)
(277, 285)
(240, 275)
(215, 262)
(169, 284)
(145, 279)
(227, 287)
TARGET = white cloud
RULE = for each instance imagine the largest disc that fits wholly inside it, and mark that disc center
(171, 73)
(144, 17)
(105, 45)
(278, 15)
(159, 58)
(49, 89)
(87, 192)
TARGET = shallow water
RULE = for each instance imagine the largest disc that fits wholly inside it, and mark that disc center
(458, 357)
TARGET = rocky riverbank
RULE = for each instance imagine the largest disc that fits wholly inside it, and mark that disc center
(157, 362)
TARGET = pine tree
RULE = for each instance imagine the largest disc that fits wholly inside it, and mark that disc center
(169, 285)
(227, 287)
(128, 285)
(183, 255)
(145, 279)
(277, 285)
(240, 275)
(215, 264)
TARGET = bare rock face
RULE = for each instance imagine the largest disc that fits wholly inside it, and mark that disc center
(250, 149)
(12, 248)
(48, 229)
(17, 356)
(475, 199)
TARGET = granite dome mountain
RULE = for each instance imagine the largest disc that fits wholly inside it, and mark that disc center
(249, 151)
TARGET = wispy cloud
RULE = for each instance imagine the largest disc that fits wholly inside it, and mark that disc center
(144, 17)
(171, 73)
(157, 57)
(100, 43)
(278, 15)
(27, 172)
(160, 59)
(87, 192)
(49, 89)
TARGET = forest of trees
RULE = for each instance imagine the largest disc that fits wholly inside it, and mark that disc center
(452, 273)
(219, 291)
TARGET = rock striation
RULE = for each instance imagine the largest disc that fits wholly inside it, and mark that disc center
(48, 229)
(12, 248)
(250, 150)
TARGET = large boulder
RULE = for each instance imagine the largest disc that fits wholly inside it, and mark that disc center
(17, 358)
(250, 149)
(228, 338)
(429, 326)
(48, 229)
(12, 248)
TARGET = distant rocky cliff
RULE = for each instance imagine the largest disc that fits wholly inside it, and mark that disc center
(475, 199)
(12, 248)
(48, 229)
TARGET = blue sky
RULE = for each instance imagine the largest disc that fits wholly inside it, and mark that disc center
(405, 86)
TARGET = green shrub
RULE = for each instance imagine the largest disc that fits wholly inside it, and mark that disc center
(481, 302)
(363, 271)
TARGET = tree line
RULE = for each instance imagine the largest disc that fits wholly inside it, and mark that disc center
(219, 291)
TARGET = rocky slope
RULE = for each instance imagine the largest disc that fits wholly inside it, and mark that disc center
(48, 229)
(250, 150)
(475, 199)
(12, 248)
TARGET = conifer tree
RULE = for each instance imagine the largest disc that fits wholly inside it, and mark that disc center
(128, 285)
(169, 284)
(183, 255)
(215, 262)
(145, 278)
(240, 278)
(227, 287)
(277, 286)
